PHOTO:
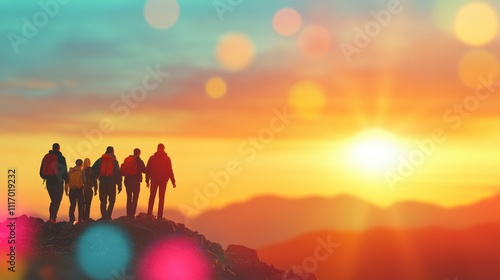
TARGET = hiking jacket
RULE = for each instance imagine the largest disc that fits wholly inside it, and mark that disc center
(62, 170)
(89, 179)
(159, 168)
(137, 177)
(116, 179)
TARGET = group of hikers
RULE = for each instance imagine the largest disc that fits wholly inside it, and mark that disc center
(81, 182)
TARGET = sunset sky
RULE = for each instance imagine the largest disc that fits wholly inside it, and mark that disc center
(326, 123)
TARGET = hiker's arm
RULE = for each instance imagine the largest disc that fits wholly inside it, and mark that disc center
(148, 171)
(94, 179)
(64, 170)
(84, 179)
(171, 172)
(118, 175)
(66, 186)
(41, 168)
(142, 167)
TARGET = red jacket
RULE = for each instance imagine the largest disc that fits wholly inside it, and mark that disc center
(159, 168)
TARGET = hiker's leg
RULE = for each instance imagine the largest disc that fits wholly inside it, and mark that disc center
(79, 200)
(161, 196)
(52, 192)
(152, 194)
(103, 196)
(55, 191)
(88, 203)
(112, 198)
(58, 198)
(72, 205)
(128, 187)
(135, 193)
(85, 203)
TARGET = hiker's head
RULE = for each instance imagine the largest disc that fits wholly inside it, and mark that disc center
(56, 147)
(86, 163)
(137, 152)
(110, 150)
(79, 162)
(161, 147)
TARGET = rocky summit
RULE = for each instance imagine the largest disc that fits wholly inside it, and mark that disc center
(50, 250)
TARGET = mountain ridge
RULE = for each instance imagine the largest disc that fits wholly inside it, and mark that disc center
(54, 251)
(275, 218)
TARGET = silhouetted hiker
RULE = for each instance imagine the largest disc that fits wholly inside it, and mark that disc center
(55, 172)
(109, 176)
(75, 191)
(89, 182)
(132, 169)
(159, 170)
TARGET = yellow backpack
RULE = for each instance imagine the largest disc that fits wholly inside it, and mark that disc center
(75, 179)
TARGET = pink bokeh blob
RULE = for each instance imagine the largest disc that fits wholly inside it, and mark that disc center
(175, 258)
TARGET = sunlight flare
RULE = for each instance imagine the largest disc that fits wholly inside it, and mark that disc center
(374, 150)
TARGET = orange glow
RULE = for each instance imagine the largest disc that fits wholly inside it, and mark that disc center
(477, 64)
(307, 99)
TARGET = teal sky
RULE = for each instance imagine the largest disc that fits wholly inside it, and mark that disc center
(107, 44)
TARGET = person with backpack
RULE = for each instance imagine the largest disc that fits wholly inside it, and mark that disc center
(109, 177)
(132, 169)
(159, 171)
(55, 173)
(89, 182)
(75, 191)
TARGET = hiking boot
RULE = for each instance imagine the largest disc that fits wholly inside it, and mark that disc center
(52, 221)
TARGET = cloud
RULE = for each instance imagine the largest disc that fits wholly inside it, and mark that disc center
(26, 84)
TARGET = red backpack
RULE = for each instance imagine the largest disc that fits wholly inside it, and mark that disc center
(107, 166)
(129, 166)
(50, 165)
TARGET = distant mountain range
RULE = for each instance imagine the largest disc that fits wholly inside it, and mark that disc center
(267, 220)
(394, 254)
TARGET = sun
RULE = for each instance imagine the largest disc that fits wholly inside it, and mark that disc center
(374, 150)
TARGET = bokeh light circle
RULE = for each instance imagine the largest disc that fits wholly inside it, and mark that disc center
(287, 21)
(162, 14)
(314, 42)
(216, 87)
(235, 51)
(477, 64)
(445, 12)
(175, 258)
(103, 249)
(307, 99)
(476, 24)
